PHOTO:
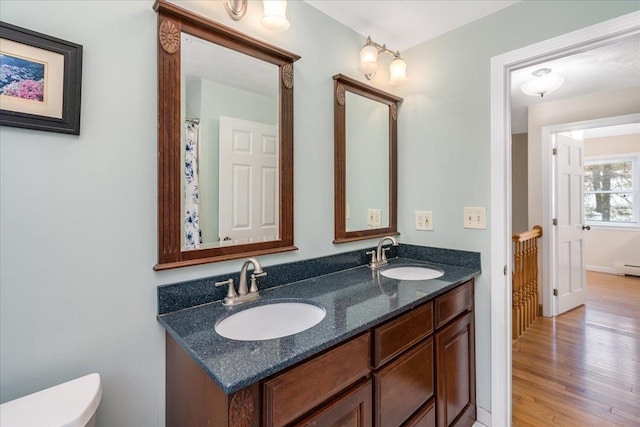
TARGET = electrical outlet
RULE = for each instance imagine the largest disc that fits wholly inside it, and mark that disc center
(374, 218)
(424, 221)
(475, 218)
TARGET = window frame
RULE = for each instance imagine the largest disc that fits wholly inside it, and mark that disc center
(634, 158)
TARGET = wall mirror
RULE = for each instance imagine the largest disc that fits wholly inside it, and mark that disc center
(225, 142)
(365, 132)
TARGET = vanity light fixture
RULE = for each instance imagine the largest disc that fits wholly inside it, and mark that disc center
(369, 62)
(274, 17)
(543, 82)
(236, 8)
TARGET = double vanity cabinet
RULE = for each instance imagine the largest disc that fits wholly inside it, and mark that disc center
(414, 369)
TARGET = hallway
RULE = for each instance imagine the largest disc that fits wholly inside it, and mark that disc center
(583, 367)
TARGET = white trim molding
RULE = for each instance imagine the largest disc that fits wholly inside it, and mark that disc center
(483, 417)
(501, 67)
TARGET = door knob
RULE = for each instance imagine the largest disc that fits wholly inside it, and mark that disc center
(586, 227)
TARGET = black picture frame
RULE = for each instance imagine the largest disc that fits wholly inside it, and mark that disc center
(66, 120)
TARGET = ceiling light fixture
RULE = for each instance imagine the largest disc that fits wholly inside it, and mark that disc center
(274, 17)
(369, 62)
(542, 83)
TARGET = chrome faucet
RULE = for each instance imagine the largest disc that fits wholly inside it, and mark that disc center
(245, 293)
(378, 256)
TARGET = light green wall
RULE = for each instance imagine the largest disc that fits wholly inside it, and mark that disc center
(78, 213)
(367, 152)
(444, 132)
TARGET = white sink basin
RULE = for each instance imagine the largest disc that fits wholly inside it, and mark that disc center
(412, 273)
(269, 321)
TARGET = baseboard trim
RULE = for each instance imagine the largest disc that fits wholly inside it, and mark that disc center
(483, 418)
(600, 269)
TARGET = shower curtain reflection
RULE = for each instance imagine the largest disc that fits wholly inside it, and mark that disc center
(192, 232)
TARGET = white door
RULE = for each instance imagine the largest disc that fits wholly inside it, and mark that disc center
(570, 272)
(249, 181)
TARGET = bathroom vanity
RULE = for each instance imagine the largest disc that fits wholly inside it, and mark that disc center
(389, 352)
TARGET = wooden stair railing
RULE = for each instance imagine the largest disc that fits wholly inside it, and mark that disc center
(525, 279)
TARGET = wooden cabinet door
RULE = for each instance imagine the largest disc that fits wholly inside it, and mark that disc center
(352, 409)
(455, 364)
(404, 385)
(424, 417)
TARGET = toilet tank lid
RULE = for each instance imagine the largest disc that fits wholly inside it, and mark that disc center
(71, 404)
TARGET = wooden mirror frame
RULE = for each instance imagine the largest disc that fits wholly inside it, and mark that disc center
(172, 21)
(341, 85)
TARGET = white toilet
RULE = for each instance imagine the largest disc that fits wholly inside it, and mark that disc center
(71, 404)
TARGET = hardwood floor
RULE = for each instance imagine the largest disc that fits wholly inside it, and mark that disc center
(582, 368)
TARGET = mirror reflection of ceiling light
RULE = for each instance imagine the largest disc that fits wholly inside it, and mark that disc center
(274, 17)
(369, 62)
(542, 83)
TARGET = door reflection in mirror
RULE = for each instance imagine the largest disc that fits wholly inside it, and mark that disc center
(237, 186)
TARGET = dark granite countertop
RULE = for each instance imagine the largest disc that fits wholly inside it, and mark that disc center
(355, 300)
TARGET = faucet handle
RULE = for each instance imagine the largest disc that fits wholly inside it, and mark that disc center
(384, 253)
(254, 285)
(373, 255)
(231, 293)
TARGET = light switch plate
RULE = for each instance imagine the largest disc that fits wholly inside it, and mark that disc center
(475, 218)
(424, 220)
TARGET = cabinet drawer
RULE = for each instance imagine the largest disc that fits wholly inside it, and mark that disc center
(425, 417)
(404, 385)
(295, 392)
(399, 334)
(352, 408)
(453, 303)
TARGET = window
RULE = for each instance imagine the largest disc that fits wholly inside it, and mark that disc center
(611, 191)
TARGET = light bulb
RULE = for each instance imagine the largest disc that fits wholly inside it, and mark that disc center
(274, 17)
(398, 72)
(368, 59)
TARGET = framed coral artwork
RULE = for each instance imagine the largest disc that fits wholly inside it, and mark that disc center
(40, 81)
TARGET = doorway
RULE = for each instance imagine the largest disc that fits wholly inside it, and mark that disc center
(501, 66)
(551, 259)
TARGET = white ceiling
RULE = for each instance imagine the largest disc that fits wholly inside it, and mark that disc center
(611, 67)
(402, 24)
(209, 61)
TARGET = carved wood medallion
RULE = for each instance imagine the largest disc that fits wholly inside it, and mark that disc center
(340, 94)
(287, 75)
(241, 409)
(169, 37)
